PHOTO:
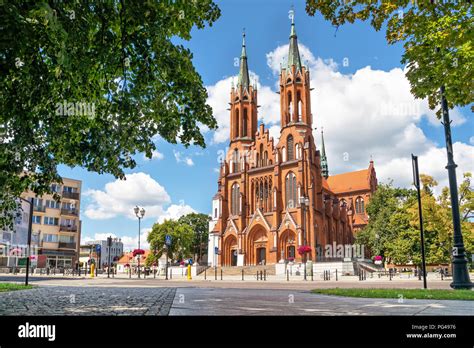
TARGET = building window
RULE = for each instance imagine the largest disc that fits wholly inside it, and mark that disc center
(66, 239)
(359, 205)
(37, 202)
(265, 158)
(52, 204)
(235, 199)
(51, 221)
(283, 154)
(36, 219)
(298, 151)
(290, 190)
(215, 212)
(244, 126)
(50, 238)
(235, 161)
(55, 188)
(236, 124)
(289, 144)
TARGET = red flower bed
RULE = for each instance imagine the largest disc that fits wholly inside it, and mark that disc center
(304, 249)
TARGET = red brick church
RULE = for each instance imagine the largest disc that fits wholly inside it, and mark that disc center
(276, 197)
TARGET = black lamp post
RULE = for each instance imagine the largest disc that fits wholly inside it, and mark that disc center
(304, 202)
(109, 248)
(30, 224)
(416, 182)
(461, 278)
(140, 213)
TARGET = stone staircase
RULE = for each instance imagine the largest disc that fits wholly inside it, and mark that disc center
(237, 270)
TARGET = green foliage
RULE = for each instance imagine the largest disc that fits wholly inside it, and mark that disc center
(429, 294)
(116, 67)
(199, 223)
(182, 241)
(437, 37)
(394, 218)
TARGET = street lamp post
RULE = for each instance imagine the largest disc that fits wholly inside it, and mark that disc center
(461, 278)
(30, 225)
(304, 202)
(416, 182)
(109, 245)
(140, 213)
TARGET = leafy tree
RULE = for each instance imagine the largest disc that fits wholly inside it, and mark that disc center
(92, 83)
(437, 37)
(385, 202)
(200, 225)
(182, 237)
(394, 219)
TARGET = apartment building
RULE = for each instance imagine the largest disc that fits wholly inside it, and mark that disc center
(56, 229)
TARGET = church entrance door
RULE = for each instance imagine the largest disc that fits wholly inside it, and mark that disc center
(261, 254)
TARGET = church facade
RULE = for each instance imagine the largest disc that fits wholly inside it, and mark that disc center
(275, 197)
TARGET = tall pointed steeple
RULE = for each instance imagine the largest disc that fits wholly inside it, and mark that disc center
(244, 79)
(324, 160)
(294, 54)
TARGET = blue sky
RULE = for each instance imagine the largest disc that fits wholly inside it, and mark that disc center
(182, 179)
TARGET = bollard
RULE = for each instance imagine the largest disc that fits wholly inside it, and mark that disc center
(390, 273)
(287, 275)
(154, 273)
(329, 274)
(79, 271)
(47, 271)
(336, 274)
(96, 272)
(265, 274)
(205, 275)
(215, 273)
(221, 273)
(242, 274)
(189, 272)
(171, 273)
(113, 273)
(258, 275)
(442, 276)
(312, 274)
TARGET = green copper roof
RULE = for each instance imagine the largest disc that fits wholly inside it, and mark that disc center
(244, 79)
(324, 160)
(294, 53)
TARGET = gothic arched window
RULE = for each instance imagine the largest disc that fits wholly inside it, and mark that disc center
(236, 123)
(359, 205)
(298, 151)
(235, 161)
(265, 158)
(235, 199)
(283, 154)
(290, 190)
(244, 126)
(289, 144)
(261, 156)
(298, 107)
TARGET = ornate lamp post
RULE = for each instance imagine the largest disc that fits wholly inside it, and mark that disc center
(304, 201)
(139, 213)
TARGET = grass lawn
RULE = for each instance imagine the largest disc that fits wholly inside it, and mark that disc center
(420, 294)
(12, 287)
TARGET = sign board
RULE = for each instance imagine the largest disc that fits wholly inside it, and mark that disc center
(455, 251)
(168, 240)
(97, 248)
(216, 250)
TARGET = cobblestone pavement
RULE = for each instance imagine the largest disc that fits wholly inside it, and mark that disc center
(73, 300)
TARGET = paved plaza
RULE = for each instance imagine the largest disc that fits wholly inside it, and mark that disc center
(123, 296)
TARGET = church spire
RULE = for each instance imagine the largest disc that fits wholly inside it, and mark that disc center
(324, 160)
(244, 80)
(294, 54)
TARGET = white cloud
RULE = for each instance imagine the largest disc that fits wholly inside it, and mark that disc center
(471, 140)
(183, 159)
(129, 242)
(154, 155)
(120, 197)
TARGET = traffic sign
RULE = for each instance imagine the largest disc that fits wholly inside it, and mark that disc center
(168, 240)
(97, 248)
